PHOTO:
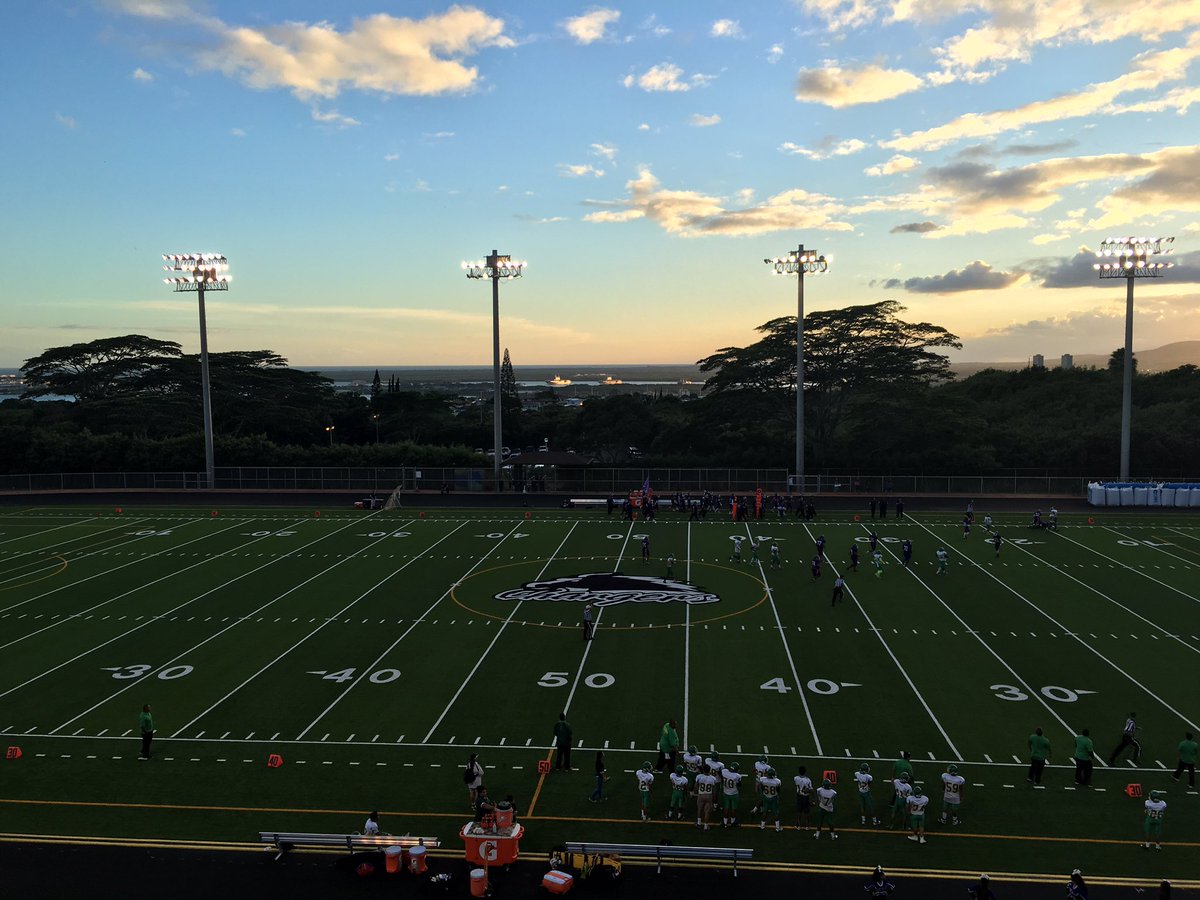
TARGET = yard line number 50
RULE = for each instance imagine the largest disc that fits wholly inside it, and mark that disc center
(559, 679)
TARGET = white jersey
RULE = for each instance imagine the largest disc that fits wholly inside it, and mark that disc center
(916, 805)
(645, 779)
(706, 785)
(715, 768)
(679, 782)
(804, 786)
(942, 556)
(952, 786)
(770, 786)
(730, 780)
(692, 762)
(902, 788)
(371, 828)
(1156, 809)
(825, 798)
(987, 521)
(760, 769)
(864, 780)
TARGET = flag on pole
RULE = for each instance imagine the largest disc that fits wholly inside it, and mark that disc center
(646, 492)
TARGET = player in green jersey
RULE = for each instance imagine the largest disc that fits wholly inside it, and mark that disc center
(679, 786)
(1156, 809)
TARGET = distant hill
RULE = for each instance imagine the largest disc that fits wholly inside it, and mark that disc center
(1159, 359)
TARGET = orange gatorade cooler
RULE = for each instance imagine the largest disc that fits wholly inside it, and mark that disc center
(392, 857)
(416, 861)
(504, 815)
(558, 882)
(478, 883)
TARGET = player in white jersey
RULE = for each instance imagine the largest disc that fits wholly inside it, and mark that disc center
(769, 785)
(736, 555)
(731, 780)
(706, 789)
(1156, 810)
(825, 795)
(692, 761)
(943, 559)
(804, 792)
(760, 770)
(714, 765)
(903, 787)
(987, 522)
(679, 789)
(866, 802)
(645, 778)
(917, 801)
(952, 790)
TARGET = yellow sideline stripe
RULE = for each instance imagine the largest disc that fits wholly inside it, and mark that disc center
(793, 868)
(537, 792)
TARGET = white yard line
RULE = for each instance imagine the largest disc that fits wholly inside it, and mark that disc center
(879, 634)
(595, 627)
(40, 553)
(154, 672)
(687, 639)
(787, 651)
(67, 587)
(499, 632)
(74, 616)
(327, 620)
(1066, 631)
(1190, 537)
(975, 633)
(1169, 587)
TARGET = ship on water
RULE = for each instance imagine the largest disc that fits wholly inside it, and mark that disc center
(558, 381)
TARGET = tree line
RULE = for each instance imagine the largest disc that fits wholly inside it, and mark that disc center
(879, 398)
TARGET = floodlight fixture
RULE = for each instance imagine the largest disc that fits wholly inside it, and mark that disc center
(497, 267)
(1131, 258)
(799, 262)
(200, 272)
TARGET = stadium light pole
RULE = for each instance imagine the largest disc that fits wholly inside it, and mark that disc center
(799, 262)
(495, 267)
(329, 431)
(1131, 258)
(199, 272)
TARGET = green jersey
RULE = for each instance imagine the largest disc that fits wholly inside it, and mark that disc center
(1187, 752)
(1084, 748)
(902, 767)
(1039, 747)
(146, 723)
(562, 733)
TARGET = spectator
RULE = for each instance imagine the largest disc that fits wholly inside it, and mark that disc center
(601, 777)
(483, 804)
(473, 776)
(562, 744)
(371, 828)
(1077, 887)
(878, 885)
(982, 889)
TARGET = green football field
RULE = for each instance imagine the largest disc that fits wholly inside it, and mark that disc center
(373, 651)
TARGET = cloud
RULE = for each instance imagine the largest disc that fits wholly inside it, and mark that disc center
(666, 77)
(1039, 149)
(381, 53)
(826, 147)
(774, 53)
(898, 163)
(333, 117)
(643, 127)
(840, 14)
(704, 121)
(568, 170)
(694, 214)
(837, 87)
(1149, 71)
(915, 228)
(652, 25)
(391, 157)
(726, 28)
(437, 135)
(238, 132)
(975, 276)
(607, 152)
(140, 74)
(1172, 185)
(592, 26)
(1077, 270)
(65, 121)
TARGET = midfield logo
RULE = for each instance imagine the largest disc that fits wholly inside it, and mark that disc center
(609, 589)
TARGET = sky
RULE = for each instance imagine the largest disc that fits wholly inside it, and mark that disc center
(962, 158)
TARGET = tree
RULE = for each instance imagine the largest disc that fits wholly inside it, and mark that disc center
(106, 368)
(508, 383)
(376, 388)
(1116, 361)
(848, 354)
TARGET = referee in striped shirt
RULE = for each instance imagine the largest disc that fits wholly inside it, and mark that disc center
(1128, 739)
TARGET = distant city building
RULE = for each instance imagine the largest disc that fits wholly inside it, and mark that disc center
(1068, 361)
(1039, 361)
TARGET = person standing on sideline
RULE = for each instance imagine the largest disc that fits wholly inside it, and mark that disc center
(899, 509)
(825, 797)
(1039, 755)
(903, 766)
(1156, 809)
(562, 743)
(804, 792)
(839, 585)
(588, 623)
(645, 548)
(146, 726)
(1084, 751)
(1187, 759)
(668, 746)
(872, 505)
(371, 828)
(706, 788)
(917, 801)
(883, 507)
(1128, 739)
(609, 504)
(670, 567)
(473, 776)
(601, 777)
(645, 778)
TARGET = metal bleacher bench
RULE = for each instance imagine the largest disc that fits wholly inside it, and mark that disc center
(283, 841)
(586, 501)
(661, 853)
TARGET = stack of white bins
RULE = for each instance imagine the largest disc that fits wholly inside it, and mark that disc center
(1143, 494)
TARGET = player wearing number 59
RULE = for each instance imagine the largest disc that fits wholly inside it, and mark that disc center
(146, 726)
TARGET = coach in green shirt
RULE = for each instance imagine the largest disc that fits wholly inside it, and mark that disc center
(902, 766)
(1039, 753)
(562, 743)
(1187, 759)
(146, 726)
(1084, 751)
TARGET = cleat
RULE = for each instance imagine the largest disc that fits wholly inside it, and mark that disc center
(913, 837)
(833, 835)
(817, 836)
(922, 839)
(762, 826)
(778, 827)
